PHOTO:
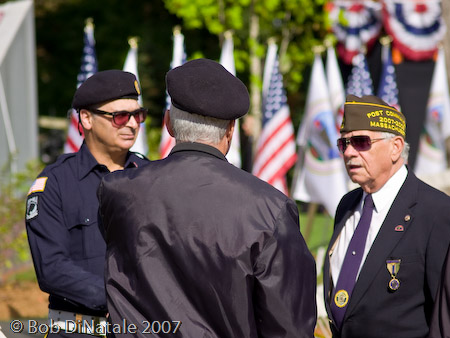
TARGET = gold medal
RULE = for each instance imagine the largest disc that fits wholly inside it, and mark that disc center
(341, 298)
(394, 284)
(393, 266)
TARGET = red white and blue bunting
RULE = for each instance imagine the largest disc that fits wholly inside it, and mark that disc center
(416, 26)
(356, 24)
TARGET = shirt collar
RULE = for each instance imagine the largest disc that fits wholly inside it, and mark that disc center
(86, 162)
(385, 196)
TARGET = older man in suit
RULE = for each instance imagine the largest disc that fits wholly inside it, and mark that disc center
(197, 247)
(390, 235)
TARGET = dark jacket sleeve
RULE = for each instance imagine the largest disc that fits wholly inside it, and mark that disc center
(438, 245)
(285, 290)
(440, 322)
(53, 249)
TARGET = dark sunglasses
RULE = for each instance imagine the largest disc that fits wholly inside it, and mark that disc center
(121, 118)
(360, 143)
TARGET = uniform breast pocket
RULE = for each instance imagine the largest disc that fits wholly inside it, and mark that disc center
(86, 241)
(411, 258)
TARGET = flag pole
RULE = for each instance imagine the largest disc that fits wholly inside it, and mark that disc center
(310, 215)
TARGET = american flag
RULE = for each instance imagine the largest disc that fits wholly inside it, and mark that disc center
(87, 69)
(179, 57)
(275, 152)
(387, 89)
(359, 81)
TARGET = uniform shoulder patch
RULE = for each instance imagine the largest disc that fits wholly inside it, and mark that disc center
(32, 207)
(38, 185)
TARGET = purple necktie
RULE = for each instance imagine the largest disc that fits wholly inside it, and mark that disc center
(350, 266)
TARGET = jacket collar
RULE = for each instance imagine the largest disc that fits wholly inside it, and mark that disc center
(199, 147)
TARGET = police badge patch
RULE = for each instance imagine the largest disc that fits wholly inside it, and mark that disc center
(32, 207)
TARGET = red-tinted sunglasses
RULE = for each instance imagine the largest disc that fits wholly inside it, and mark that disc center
(121, 118)
(360, 142)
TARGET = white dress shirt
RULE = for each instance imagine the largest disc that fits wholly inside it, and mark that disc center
(382, 200)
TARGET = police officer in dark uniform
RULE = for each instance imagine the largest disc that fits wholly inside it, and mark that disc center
(67, 246)
(195, 246)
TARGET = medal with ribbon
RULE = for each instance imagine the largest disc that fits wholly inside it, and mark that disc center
(393, 266)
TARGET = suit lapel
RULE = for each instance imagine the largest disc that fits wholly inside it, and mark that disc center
(397, 222)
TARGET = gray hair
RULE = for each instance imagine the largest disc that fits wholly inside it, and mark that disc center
(189, 127)
(405, 151)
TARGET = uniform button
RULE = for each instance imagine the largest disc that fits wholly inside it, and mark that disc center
(407, 218)
(86, 220)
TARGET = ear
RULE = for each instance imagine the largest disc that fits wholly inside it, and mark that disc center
(86, 119)
(398, 143)
(230, 130)
(167, 123)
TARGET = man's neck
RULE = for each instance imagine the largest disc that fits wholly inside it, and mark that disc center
(370, 189)
(112, 160)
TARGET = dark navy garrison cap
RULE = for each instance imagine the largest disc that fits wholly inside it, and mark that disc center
(205, 87)
(106, 86)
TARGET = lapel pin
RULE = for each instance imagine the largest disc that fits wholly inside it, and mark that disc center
(399, 228)
(407, 218)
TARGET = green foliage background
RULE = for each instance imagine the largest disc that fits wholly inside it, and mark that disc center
(13, 190)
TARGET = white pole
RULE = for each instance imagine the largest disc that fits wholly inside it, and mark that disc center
(8, 127)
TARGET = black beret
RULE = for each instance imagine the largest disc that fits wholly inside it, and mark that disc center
(205, 87)
(372, 113)
(106, 86)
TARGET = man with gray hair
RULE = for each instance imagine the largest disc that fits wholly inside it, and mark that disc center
(196, 246)
(390, 235)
